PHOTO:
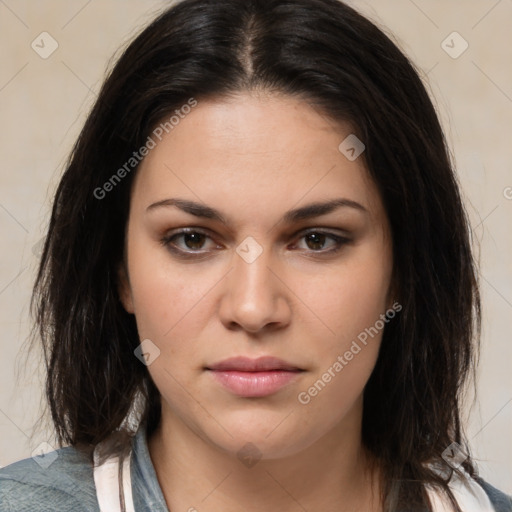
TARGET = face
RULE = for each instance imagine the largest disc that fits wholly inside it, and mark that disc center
(227, 258)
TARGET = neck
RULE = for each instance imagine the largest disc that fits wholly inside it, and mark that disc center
(333, 473)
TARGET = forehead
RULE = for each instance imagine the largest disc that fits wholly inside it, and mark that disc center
(253, 150)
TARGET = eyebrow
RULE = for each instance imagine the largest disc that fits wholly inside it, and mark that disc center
(304, 212)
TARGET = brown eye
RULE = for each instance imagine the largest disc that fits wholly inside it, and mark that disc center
(187, 242)
(317, 240)
(193, 240)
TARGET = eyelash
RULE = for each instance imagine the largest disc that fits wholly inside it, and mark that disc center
(166, 241)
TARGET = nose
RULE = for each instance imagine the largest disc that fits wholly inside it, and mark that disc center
(254, 296)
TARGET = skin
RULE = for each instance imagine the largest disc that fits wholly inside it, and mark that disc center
(253, 157)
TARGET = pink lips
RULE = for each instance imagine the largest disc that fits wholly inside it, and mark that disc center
(254, 377)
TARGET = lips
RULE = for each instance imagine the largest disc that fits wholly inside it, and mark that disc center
(246, 364)
(252, 378)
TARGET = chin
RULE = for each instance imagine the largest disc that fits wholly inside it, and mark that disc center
(265, 440)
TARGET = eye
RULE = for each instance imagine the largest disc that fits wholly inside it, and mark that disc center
(316, 240)
(190, 242)
(193, 241)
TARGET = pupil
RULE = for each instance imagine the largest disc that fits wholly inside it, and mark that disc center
(317, 239)
(196, 239)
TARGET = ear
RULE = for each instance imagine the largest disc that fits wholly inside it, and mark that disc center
(124, 289)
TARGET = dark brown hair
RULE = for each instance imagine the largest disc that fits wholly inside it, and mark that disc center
(338, 61)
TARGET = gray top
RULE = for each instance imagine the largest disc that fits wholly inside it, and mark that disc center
(67, 484)
(62, 481)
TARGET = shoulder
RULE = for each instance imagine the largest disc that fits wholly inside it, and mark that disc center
(470, 491)
(59, 481)
(501, 502)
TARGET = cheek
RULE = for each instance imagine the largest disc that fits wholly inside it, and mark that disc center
(169, 308)
(349, 299)
(346, 355)
(350, 308)
(164, 296)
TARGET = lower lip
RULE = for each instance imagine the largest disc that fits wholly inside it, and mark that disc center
(254, 384)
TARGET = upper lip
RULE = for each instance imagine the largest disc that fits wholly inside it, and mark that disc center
(246, 364)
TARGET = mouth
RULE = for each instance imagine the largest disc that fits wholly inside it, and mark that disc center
(246, 377)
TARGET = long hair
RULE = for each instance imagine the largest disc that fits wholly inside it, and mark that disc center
(327, 54)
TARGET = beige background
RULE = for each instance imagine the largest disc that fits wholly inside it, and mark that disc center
(43, 103)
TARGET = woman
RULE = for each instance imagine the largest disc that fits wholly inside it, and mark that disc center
(257, 290)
